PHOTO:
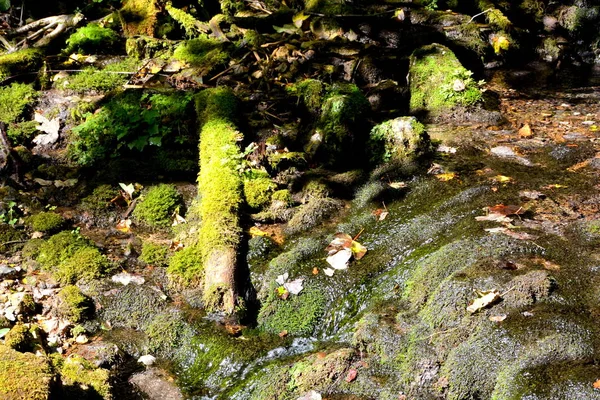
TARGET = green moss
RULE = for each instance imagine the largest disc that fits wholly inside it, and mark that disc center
(187, 263)
(154, 254)
(168, 333)
(298, 314)
(22, 132)
(19, 62)
(315, 189)
(79, 375)
(14, 100)
(311, 92)
(438, 82)
(86, 263)
(399, 139)
(106, 79)
(100, 198)
(18, 338)
(139, 17)
(9, 234)
(284, 160)
(202, 53)
(45, 222)
(91, 39)
(73, 304)
(59, 248)
(283, 196)
(23, 376)
(327, 7)
(158, 205)
(257, 191)
(494, 16)
(313, 213)
(31, 250)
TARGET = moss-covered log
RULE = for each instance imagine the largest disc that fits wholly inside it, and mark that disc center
(212, 255)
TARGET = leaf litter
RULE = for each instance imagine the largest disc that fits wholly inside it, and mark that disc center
(340, 250)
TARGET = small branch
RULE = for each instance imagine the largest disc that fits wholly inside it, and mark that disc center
(481, 13)
(13, 242)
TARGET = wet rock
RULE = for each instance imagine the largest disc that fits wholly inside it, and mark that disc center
(508, 152)
(7, 272)
(101, 354)
(530, 288)
(313, 213)
(399, 139)
(155, 384)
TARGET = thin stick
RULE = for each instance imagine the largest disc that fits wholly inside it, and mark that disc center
(358, 234)
(481, 13)
(13, 242)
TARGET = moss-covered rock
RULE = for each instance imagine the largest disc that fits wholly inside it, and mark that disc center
(46, 222)
(438, 81)
(399, 139)
(14, 100)
(73, 304)
(27, 60)
(81, 379)
(9, 234)
(154, 254)
(187, 263)
(139, 17)
(158, 205)
(23, 376)
(91, 39)
(59, 247)
(84, 264)
(99, 199)
(258, 189)
(108, 78)
(202, 53)
(21, 133)
(19, 338)
(313, 213)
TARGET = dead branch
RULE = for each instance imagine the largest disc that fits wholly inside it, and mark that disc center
(49, 28)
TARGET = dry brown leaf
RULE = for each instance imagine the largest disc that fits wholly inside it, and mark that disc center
(525, 131)
(511, 233)
(484, 300)
(124, 225)
(351, 375)
(506, 210)
(315, 271)
(549, 265)
(495, 217)
(498, 318)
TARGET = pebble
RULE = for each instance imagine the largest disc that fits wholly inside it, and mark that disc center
(147, 360)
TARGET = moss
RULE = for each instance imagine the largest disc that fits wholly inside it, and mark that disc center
(313, 213)
(494, 16)
(280, 161)
(187, 263)
(158, 205)
(86, 263)
(438, 82)
(23, 376)
(399, 139)
(106, 79)
(258, 190)
(202, 53)
(139, 17)
(19, 62)
(22, 132)
(145, 47)
(311, 92)
(59, 248)
(18, 338)
(31, 250)
(79, 375)
(167, 333)
(9, 234)
(45, 222)
(327, 7)
(100, 198)
(283, 196)
(91, 39)
(314, 189)
(14, 100)
(298, 314)
(154, 254)
(73, 304)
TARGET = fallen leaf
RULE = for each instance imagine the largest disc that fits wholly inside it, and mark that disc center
(124, 225)
(446, 149)
(315, 271)
(233, 329)
(554, 186)
(3, 332)
(329, 271)
(506, 210)
(147, 360)
(129, 189)
(511, 233)
(358, 250)
(66, 183)
(283, 333)
(175, 245)
(578, 166)
(525, 131)
(484, 300)
(282, 278)
(380, 213)
(125, 278)
(42, 182)
(178, 220)
(51, 127)
(446, 177)
(295, 286)
(399, 14)
(500, 43)
(549, 265)
(495, 217)
(502, 179)
(340, 259)
(498, 318)
(282, 292)
(596, 384)
(340, 241)
(351, 375)
(531, 194)
(397, 185)
(257, 232)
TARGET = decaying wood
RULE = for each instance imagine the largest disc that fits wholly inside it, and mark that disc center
(4, 147)
(48, 28)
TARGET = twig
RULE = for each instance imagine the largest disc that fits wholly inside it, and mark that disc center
(481, 13)
(13, 242)
(358, 234)
(230, 68)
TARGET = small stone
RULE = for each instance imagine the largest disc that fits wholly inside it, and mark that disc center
(458, 85)
(147, 360)
(7, 272)
(81, 339)
(125, 278)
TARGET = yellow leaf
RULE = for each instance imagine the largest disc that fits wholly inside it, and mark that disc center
(484, 300)
(299, 18)
(124, 225)
(446, 177)
(398, 185)
(256, 232)
(500, 44)
(358, 250)
(525, 131)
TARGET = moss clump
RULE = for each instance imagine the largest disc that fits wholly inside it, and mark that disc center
(313, 213)
(202, 53)
(70, 257)
(100, 198)
(86, 263)
(438, 82)
(109, 78)
(31, 250)
(45, 222)
(187, 263)
(284, 160)
(9, 234)
(22, 132)
(154, 254)
(398, 139)
(18, 338)
(282, 196)
(298, 315)
(23, 376)
(14, 99)
(311, 92)
(257, 191)
(20, 62)
(91, 39)
(158, 205)
(139, 17)
(82, 378)
(73, 305)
